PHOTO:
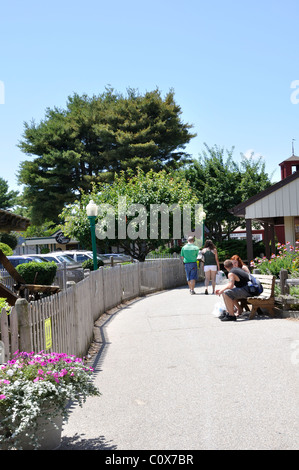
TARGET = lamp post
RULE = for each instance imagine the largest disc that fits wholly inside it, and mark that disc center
(92, 212)
(203, 214)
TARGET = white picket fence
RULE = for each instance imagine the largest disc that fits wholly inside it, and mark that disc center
(64, 322)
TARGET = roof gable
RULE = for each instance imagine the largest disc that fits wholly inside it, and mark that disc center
(240, 209)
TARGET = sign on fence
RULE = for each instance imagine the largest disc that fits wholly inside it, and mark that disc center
(48, 334)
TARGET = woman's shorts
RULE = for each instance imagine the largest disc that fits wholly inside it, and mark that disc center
(191, 271)
(210, 267)
(237, 293)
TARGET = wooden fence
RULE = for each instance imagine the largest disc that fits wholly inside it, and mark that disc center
(64, 322)
(285, 283)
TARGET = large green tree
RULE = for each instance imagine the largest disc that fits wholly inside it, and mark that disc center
(134, 224)
(221, 183)
(7, 198)
(95, 138)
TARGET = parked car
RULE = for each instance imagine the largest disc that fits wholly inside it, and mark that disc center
(15, 260)
(81, 255)
(117, 257)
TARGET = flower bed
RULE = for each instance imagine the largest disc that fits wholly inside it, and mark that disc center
(39, 385)
(287, 258)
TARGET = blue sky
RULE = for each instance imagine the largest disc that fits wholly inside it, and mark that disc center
(231, 65)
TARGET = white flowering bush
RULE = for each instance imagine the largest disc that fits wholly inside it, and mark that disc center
(34, 385)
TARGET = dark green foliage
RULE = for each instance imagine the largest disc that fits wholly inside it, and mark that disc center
(227, 248)
(7, 198)
(92, 140)
(9, 239)
(220, 184)
(88, 264)
(38, 273)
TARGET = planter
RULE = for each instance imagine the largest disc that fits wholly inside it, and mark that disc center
(48, 435)
(35, 391)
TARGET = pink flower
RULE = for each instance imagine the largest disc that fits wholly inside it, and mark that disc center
(2, 397)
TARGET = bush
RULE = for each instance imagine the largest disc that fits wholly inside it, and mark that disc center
(4, 304)
(38, 273)
(88, 264)
(9, 239)
(227, 248)
(6, 249)
(287, 258)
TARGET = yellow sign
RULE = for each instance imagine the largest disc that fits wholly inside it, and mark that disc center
(48, 334)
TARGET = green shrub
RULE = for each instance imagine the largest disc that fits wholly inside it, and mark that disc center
(88, 264)
(227, 248)
(38, 273)
(6, 249)
(4, 304)
(9, 239)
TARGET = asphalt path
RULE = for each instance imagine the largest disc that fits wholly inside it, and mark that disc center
(174, 377)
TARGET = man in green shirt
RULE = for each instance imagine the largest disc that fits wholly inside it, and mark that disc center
(189, 254)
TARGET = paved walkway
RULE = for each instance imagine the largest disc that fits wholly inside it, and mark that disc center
(174, 377)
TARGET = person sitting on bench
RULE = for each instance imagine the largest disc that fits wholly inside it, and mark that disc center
(235, 289)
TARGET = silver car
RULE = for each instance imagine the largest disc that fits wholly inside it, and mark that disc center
(82, 255)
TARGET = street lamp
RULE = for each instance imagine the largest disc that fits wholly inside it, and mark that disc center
(92, 212)
(203, 217)
(203, 228)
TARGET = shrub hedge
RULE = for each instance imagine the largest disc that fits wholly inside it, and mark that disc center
(38, 273)
(88, 264)
(7, 250)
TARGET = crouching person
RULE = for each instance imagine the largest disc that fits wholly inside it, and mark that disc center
(235, 290)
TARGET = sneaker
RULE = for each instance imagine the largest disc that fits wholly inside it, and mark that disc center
(192, 292)
(229, 318)
(223, 314)
(206, 292)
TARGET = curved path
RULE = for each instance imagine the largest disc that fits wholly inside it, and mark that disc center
(173, 376)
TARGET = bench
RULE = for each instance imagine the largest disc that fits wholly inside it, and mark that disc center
(264, 300)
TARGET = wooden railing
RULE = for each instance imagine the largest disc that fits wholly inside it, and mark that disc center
(64, 322)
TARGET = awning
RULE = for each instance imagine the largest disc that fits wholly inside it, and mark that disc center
(12, 222)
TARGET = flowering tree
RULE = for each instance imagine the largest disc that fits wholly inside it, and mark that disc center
(141, 192)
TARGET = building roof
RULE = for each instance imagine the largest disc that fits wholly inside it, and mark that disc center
(293, 158)
(12, 222)
(240, 209)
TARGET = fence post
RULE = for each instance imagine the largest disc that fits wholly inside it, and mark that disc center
(22, 310)
(284, 288)
(138, 276)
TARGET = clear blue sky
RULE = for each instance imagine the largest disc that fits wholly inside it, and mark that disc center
(230, 63)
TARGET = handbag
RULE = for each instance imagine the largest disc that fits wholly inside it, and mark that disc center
(220, 277)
